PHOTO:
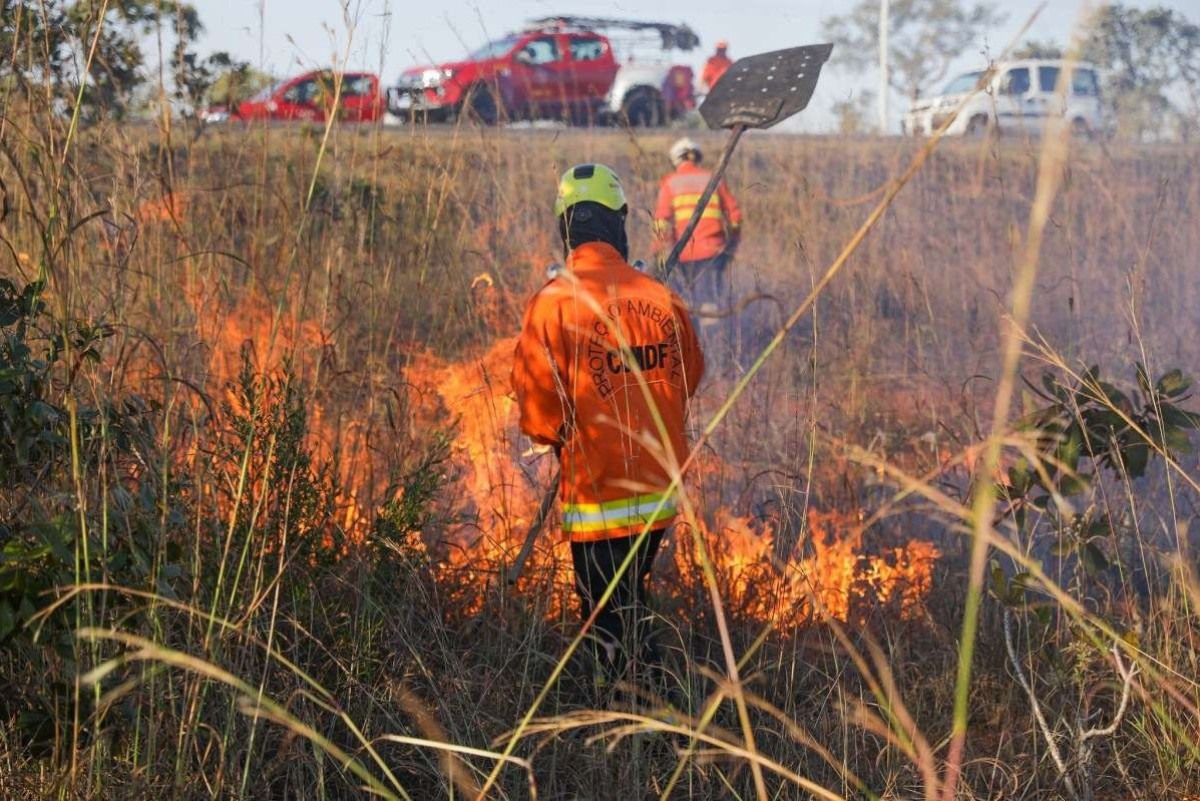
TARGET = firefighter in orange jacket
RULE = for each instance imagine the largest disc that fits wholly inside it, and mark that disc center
(716, 65)
(701, 273)
(606, 363)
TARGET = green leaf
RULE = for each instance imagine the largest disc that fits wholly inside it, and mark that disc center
(1177, 442)
(8, 620)
(1071, 447)
(1173, 384)
(1096, 529)
(1174, 416)
(1102, 421)
(58, 534)
(1143, 378)
(1115, 397)
(165, 589)
(1019, 478)
(1094, 560)
(1017, 588)
(1137, 456)
(26, 610)
(997, 587)
(1073, 484)
(1053, 387)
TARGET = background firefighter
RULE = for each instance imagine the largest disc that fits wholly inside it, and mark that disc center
(701, 276)
(716, 66)
(605, 365)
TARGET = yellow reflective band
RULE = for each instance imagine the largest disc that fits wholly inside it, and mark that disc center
(665, 514)
(710, 213)
(621, 504)
(621, 513)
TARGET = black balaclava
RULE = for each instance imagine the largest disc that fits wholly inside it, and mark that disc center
(588, 221)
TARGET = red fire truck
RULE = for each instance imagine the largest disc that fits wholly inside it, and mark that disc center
(578, 69)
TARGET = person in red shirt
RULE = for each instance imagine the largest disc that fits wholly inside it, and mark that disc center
(605, 366)
(700, 277)
(716, 65)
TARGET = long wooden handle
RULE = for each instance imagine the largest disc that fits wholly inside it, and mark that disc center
(535, 528)
(702, 203)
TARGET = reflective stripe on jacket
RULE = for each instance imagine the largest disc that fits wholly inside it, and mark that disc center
(678, 195)
(605, 364)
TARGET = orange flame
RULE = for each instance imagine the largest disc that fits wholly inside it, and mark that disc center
(271, 336)
(499, 486)
(836, 576)
(496, 489)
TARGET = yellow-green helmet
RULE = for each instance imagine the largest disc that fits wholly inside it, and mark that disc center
(594, 182)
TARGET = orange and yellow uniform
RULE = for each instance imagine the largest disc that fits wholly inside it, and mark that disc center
(714, 68)
(605, 364)
(678, 195)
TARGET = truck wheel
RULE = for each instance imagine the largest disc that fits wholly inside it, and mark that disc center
(643, 108)
(479, 106)
(978, 125)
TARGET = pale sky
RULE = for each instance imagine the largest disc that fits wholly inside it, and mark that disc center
(284, 37)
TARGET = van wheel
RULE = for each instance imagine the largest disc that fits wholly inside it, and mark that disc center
(1080, 128)
(979, 125)
(479, 106)
(643, 108)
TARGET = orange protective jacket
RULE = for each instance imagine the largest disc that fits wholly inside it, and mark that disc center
(678, 195)
(714, 68)
(587, 337)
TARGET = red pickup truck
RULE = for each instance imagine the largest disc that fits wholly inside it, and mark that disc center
(309, 97)
(559, 68)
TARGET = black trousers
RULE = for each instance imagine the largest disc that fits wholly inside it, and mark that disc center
(702, 281)
(621, 631)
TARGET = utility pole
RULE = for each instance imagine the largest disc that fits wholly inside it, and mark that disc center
(884, 27)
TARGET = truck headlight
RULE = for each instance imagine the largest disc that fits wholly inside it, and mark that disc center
(433, 78)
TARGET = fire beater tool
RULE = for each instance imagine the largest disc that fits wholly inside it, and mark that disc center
(755, 92)
(514, 570)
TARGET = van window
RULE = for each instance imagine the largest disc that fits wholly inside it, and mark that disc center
(1048, 78)
(1083, 84)
(1016, 81)
(586, 49)
(963, 83)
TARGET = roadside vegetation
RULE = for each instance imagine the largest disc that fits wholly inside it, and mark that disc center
(261, 476)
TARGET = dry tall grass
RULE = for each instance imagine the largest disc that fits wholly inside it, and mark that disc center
(300, 626)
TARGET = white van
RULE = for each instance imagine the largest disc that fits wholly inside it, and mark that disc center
(1019, 97)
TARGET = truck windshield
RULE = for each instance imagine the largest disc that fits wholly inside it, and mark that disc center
(962, 84)
(494, 49)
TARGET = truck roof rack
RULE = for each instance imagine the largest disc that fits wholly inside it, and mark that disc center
(674, 37)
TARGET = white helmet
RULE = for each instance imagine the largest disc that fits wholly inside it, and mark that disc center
(681, 148)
